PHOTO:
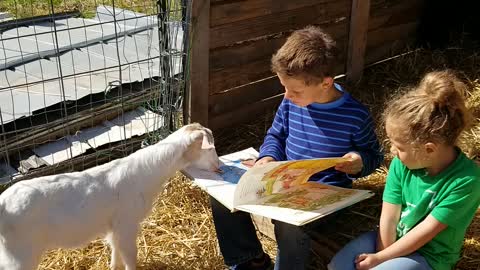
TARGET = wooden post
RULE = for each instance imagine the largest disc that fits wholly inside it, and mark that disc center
(357, 39)
(198, 84)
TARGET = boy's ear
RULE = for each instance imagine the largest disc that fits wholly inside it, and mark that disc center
(327, 82)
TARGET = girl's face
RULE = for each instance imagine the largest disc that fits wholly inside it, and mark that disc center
(411, 155)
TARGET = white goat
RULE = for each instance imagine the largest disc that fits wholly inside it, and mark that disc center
(68, 210)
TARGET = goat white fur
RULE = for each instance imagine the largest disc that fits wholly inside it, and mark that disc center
(68, 210)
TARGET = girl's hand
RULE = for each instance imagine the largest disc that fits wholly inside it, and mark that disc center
(367, 261)
(353, 166)
(264, 160)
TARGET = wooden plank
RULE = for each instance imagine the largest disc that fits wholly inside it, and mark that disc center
(248, 94)
(228, 78)
(401, 13)
(237, 76)
(245, 113)
(264, 48)
(387, 50)
(197, 97)
(240, 31)
(357, 39)
(388, 34)
(393, 7)
(245, 53)
(233, 11)
(254, 63)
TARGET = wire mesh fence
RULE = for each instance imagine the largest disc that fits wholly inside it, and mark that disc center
(83, 82)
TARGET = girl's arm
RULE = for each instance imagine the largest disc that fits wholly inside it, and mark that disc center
(387, 233)
(421, 234)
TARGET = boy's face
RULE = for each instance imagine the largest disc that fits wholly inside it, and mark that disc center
(298, 92)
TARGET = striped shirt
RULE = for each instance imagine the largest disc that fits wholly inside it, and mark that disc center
(322, 130)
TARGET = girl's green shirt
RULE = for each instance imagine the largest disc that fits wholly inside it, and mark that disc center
(452, 197)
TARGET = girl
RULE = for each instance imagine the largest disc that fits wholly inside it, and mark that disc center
(432, 189)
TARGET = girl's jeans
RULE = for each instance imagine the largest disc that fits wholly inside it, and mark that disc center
(366, 243)
(239, 243)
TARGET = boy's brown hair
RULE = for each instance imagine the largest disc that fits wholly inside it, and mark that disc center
(308, 53)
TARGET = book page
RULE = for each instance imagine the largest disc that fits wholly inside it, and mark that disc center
(281, 191)
(305, 203)
(273, 177)
(222, 185)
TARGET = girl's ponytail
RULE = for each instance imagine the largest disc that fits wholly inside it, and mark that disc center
(433, 111)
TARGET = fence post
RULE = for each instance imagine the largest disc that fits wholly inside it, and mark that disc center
(198, 85)
(357, 39)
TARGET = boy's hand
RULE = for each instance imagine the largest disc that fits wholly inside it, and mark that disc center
(366, 261)
(248, 162)
(353, 166)
(264, 160)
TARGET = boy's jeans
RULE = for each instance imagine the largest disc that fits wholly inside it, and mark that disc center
(239, 243)
(366, 243)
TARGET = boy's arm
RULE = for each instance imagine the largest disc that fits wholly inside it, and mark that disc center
(421, 234)
(367, 146)
(274, 142)
(387, 232)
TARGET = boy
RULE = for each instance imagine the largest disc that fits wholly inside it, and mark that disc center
(316, 119)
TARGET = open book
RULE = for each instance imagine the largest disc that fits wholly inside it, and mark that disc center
(277, 190)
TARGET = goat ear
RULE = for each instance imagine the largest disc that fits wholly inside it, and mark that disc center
(201, 140)
(195, 145)
(197, 139)
(206, 144)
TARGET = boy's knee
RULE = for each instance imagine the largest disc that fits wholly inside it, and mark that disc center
(217, 207)
(291, 235)
(283, 228)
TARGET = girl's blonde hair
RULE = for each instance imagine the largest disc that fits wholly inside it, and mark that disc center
(434, 111)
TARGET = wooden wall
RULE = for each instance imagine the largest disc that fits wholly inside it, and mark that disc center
(239, 37)
(392, 26)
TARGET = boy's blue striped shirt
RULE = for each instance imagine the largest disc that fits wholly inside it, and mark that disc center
(323, 130)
